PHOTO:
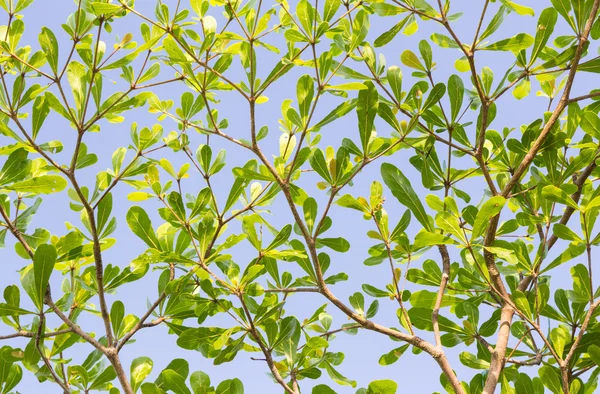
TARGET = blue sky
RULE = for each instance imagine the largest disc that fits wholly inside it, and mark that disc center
(414, 373)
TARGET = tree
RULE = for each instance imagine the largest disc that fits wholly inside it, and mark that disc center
(480, 220)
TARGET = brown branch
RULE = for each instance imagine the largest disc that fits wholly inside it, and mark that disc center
(497, 362)
(268, 357)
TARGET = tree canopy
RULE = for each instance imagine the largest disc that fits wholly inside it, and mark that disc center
(255, 126)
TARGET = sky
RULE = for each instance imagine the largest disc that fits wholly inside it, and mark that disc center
(414, 373)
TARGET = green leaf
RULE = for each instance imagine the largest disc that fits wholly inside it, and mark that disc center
(409, 59)
(518, 8)
(322, 389)
(337, 244)
(401, 189)
(107, 375)
(174, 382)
(100, 8)
(545, 28)
(437, 92)
(394, 77)
(456, 92)
(594, 352)
(231, 386)
(421, 318)
(140, 224)
(495, 23)
(366, 109)
(45, 184)
(16, 167)
(43, 264)
(49, 45)
(305, 91)
(12, 310)
(318, 163)
(393, 356)
(104, 211)
(522, 89)
(382, 387)
(469, 360)
(200, 383)
(564, 232)
(590, 123)
(514, 44)
(310, 213)
(117, 313)
(490, 208)
(331, 7)
(40, 111)
(444, 41)
(140, 369)
(551, 379)
(554, 194)
(389, 35)
(521, 302)
(425, 238)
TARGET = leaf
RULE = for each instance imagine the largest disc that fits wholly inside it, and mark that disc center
(394, 77)
(310, 212)
(437, 92)
(443, 41)
(469, 360)
(554, 194)
(564, 232)
(590, 123)
(401, 189)
(514, 44)
(16, 167)
(305, 90)
(421, 318)
(495, 23)
(521, 302)
(40, 111)
(45, 184)
(338, 112)
(107, 375)
(409, 59)
(594, 352)
(140, 224)
(100, 8)
(393, 356)
(140, 369)
(174, 382)
(43, 264)
(522, 89)
(518, 8)
(366, 109)
(200, 383)
(231, 386)
(382, 387)
(49, 45)
(456, 91)
(12, 310)
(490, 208)
(545, 28)
(551, 379)
(337, 244)
(389, 35)
(104, 211)
(318, 163)
(425, 238)
(117, 313)
(322, 389)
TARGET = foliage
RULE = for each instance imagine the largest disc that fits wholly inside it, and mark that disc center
(471, 291)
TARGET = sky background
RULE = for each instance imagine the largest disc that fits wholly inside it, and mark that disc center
(414, 373)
